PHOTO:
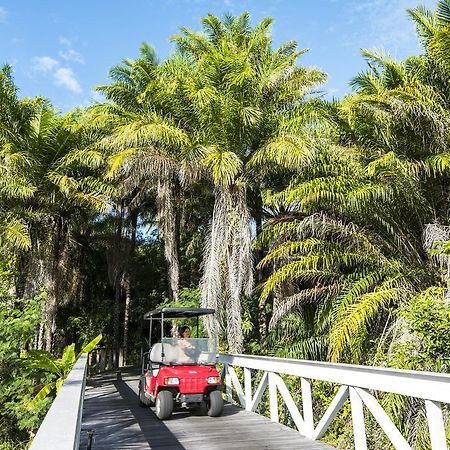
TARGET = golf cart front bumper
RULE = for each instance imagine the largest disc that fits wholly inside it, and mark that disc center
(190, 398)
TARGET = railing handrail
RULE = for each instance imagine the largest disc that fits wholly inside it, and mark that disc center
(424, 385)
(61, 427)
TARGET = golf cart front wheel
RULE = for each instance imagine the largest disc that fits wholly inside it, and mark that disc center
(164, 405)
(215, 404)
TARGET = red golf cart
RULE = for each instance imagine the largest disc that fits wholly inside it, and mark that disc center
(180, 372)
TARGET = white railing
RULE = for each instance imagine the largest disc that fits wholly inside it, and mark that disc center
(355, 381)
(60, 429)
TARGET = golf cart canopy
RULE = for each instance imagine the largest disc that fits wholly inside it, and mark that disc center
(174, 313)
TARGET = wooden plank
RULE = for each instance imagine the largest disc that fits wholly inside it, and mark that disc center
(111, 409)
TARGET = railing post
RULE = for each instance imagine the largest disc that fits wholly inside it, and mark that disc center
(273, 398)
(248, 388)
(121, 357)
(359, 427)
(228, 385)
(307, 408)
(435, 425)
(102, 360)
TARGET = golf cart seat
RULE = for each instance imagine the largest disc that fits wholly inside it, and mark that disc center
(170, 353)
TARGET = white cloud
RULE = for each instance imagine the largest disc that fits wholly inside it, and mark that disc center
(65, 77)
(44, 63)
(72, 56)
(3, 15)
(64, 41)
(385, 23)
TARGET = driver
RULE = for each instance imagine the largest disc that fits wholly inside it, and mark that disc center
(184, 345)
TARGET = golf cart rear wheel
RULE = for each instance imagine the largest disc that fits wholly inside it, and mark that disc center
(143, 400)
(164, 405)
(215, 404)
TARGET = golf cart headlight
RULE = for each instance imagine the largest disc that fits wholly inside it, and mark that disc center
(213, 380)
(171, 380)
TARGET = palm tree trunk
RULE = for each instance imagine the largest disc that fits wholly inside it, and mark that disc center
(40, 335)
(240, 266)
(59, 254)
(116, 321)
(167, 218)
(228, 257)
(126, 319)
(127, 284)
(259, 253)
(211, 283)
(118, 280)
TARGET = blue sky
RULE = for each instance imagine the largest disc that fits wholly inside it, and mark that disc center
(62, 49)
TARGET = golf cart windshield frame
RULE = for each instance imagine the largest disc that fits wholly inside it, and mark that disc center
(173, 313)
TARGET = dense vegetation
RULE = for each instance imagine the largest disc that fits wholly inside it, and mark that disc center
(221, 177)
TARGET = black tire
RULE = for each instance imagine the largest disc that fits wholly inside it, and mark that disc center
(215, 404)
(143, 400)
(164, 405)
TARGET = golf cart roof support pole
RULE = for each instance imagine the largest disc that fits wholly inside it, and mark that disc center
(162, 336)
(197, 328)
(150, 335)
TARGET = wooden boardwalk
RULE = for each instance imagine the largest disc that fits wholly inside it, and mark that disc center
(111, 409)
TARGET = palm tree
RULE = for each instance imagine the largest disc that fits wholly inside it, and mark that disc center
(353, 244)
(16, 117)
(343, 250)
(70, 186)
(145, 143)
(248, 103)
(49, 178)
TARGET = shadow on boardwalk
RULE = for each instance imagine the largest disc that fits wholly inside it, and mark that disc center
(112, 411)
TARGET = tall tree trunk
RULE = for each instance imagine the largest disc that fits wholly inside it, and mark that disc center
(117, 277)
(167, 219)
(126, 319)
(240, 266)
(34, 267)
(40, 335)
(228, 262)
(116, 321)
(53, 288)
(259, 253)
(211, 283)
(127, 283)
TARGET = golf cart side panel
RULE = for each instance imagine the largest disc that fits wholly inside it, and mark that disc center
(150, 383)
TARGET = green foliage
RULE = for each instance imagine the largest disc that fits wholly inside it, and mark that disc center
(423, 323)
(188, 298)
(42, 360)
(19, 320)
(427, 317)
